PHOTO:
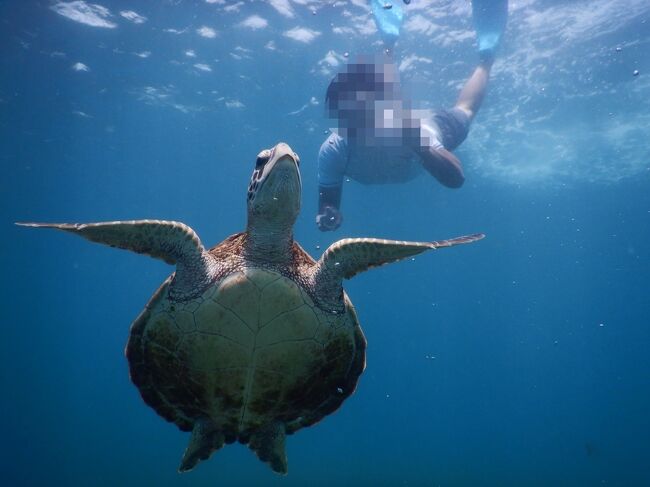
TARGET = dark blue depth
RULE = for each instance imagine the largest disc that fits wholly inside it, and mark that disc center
(519, 360)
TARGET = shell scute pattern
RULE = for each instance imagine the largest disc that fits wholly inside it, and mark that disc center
(323, 333)
(192, 305)
(200, 351)
(163, 332)
(278, 298)
(241, 297)
(185, 320)
(254, 347)
(214, 319)
(284, 357)
(259, 277)
(297, 324)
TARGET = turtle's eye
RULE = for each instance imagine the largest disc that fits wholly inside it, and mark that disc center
(262, 158)
(297, 158)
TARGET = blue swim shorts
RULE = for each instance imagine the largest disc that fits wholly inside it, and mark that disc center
(453, 125)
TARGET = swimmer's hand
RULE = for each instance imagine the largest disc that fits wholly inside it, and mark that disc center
(329, 220)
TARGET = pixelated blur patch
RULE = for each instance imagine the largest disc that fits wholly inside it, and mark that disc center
(366, 102)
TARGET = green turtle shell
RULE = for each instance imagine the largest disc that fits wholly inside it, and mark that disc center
(252, 349)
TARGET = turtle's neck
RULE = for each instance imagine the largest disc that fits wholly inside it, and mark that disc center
(270, 243)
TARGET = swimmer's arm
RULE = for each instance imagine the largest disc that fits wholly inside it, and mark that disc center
(332, 163)
(331, 168)
(443, 165)
(329, 196)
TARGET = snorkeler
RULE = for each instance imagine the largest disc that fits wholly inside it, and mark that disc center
(379, 138)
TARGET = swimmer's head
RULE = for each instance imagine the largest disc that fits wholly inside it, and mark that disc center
(360, 85)
(366, 101)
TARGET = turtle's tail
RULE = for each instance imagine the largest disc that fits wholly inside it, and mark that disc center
(205, 440)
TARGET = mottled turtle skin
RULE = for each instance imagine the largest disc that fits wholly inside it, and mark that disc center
(252, 349)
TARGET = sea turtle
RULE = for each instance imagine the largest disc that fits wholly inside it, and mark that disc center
(253, 339)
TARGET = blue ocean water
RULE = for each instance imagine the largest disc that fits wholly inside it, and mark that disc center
(519, 360)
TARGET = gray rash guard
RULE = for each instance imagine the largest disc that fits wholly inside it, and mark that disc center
(386, 159)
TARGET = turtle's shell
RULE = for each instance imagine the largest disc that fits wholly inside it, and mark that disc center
(253, 348)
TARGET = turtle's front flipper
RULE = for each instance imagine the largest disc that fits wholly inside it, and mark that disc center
(268, 443)
(173, 242)
(346, 258)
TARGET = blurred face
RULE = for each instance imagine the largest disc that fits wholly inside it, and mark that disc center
(355, 111)
(363, 99)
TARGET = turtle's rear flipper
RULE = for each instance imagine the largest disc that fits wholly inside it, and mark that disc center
(268, 444)
(205, 440)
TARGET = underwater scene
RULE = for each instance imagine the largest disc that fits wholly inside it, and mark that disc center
(293, 174)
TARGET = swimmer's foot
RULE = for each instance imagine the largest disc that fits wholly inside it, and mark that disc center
(388, 17)
(490, 18)
(487, 55)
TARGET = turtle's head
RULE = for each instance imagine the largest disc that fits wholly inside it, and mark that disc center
(275, 189)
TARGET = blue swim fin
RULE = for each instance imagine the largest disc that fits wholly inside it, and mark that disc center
(490, 18)
(388, 17)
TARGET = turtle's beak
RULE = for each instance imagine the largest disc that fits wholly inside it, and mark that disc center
(283, 157)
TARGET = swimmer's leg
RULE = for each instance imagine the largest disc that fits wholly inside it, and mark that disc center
(490, 17)
(473, 92)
